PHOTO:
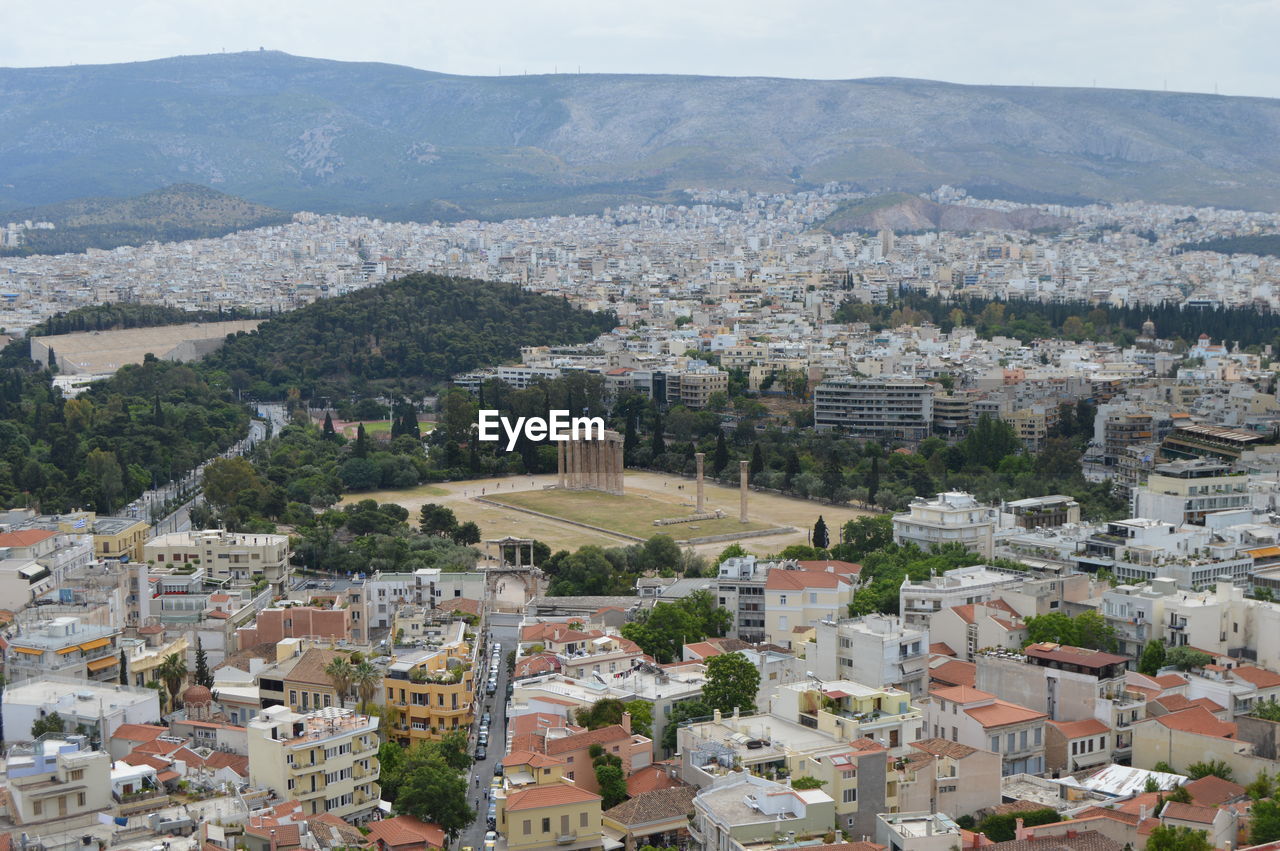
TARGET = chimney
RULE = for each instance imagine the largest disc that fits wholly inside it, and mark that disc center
(626, 722)
(1019, 831)
(716, 715)
(1142, 813)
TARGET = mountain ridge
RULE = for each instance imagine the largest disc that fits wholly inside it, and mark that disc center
(375, 138)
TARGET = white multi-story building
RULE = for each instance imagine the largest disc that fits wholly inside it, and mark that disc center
(917, 601)
(876, 650)
(885, 409)
(327, 760)
(1183, 492)
(430, 587)
(235, 558)
(57, 778)
(950, 518)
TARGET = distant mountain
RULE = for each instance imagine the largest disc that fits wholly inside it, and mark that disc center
(898, 211)
(297, 133)
(184, 211)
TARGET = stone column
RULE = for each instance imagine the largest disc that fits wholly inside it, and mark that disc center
(700, 457)
(620, 467)
(742, 490)
(560, 453)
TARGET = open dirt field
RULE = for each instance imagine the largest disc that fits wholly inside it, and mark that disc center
(671, 496)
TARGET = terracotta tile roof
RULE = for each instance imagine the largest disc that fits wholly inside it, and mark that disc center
(1105, 812)
(657, 805)
(1143, 801)
(800, 580)
(532, 742)
(530, 758)
(1188, 812)
(286, 835)
(1209, 704)
(1086, 840)
(1211, 790)
(1260, 677)
(139, 732)
(535, 722)
(463, 604)
(558, 633)
(649, 779)
(1170, 680)
(944, 747)
(954, 673)
(847, 568)
(614, 733)
(539, 663)
(941, 648)
(1002, 713)
(25, 537)
(551, 795)
(704, 649)
(405, 831)
(1173, 702)
(1197, 720)
(961, 694)
(310, 667)
(1073, 655)
(332, 832)
(1080, 729)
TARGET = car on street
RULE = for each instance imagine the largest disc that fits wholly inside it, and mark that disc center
(481, 753)
(484, 720)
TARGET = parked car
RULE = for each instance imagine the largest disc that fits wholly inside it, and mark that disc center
(484, 720)
(497, 772)
(483, 739)
(481, 753)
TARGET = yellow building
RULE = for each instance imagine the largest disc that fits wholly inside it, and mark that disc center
(327, 760)
(557, 815)
(432, 692)
(143, 657)
(119, 537)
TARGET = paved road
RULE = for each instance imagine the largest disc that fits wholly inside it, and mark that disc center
(482, 772)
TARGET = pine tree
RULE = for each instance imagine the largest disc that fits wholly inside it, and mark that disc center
(328, 425)
(873, 479)
(757, 462)
(202, 675)
(791, 470)
(629, 441)
(720, 459)
(820, 536)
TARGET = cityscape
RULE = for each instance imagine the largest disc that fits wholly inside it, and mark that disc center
(922, 489)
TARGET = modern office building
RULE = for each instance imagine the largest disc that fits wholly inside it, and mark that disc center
(886, 409)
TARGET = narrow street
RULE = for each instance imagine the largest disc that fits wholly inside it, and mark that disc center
(504, 631)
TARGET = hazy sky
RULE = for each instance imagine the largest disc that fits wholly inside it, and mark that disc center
(1178, 44)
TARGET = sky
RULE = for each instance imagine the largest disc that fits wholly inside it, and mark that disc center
(1201, 46)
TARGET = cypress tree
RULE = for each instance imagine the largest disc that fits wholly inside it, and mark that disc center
(361, 449)
(820, 536)
(202, 675)
(720, 459)
(328, 425)
(757, 462)
(659, 443)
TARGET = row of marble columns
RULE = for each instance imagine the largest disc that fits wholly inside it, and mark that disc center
(591, 464)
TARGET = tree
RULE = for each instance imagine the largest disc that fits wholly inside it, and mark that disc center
(873, 479)
(1179, 795)
(757, 462)
(807, 782)
(820, 536)
(361, 447)
(225, 479)
(681, 713)
(328, 425)
(1000, 828)
(366, 678)
(613, 786)
(1094, 633)
(1264, 821)
(108, 479)
(437, 520)
(431, 790)
(341, 673)
(664, 632)
(1171, 838)
(1216, 767)
(603, 713)
(391, 759)
(1186, 658)
(719, 458)
(1089, 630)
(466, 534)
(1263, 785)
(202, 676)
(51, 723)
(124, 668)
(641, 717)
(731, 683)
(1152, 658)
(452, 748)
(659, 444)
(172, 671)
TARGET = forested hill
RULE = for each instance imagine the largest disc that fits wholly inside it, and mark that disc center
(407, 335)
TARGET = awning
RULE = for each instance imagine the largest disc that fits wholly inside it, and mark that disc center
(30, 651)
(95, 644)
(104, 662)
(64, 651)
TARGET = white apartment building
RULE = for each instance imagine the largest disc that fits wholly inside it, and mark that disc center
(233, 558)
(1182, 492)
(80, 703)
(982, 720)
(327, 759)
(430, 587)
(739, 588)
(57, 778)
(885, 409)
(918, 601)
(63, 647)
(950, 518)
(876, 650)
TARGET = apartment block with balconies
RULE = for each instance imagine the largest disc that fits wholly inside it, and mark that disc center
(432, 692)
(327, 760)
(64, 647)
(875, 650)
